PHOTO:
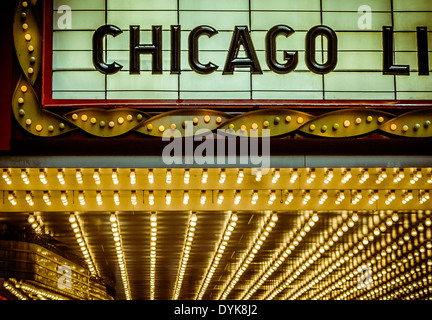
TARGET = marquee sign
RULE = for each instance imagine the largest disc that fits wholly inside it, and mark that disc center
(110, 61)
(170, 51)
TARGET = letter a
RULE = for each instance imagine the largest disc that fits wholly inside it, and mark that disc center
(365, 20)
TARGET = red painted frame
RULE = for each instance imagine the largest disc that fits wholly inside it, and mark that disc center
(48, 101)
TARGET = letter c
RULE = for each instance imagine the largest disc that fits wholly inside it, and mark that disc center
(193, 49)
(98, 60)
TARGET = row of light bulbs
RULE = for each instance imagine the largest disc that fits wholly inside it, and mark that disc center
(309, 258)
(287, 196)
(82, 242)
(223, 243)
(326, 268)
(153, 239)
(261, 236)
(414, 175)
(359, 256)
(25, 291)
(118, 244)
(187, 247)
(280, 256)
(401, 269)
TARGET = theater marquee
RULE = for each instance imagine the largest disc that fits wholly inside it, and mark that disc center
(100, 66)
(115, 50)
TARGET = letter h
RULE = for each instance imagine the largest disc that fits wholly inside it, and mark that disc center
(136, 49)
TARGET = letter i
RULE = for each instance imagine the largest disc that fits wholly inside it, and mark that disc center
(423, 54)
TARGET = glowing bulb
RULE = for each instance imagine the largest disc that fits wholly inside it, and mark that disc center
(168, 198)
(240, 176)
(25, 177)
(204, 176)
(150, 176)
(151, 198)
(99, 198)
(168, 176)
(116, 198)
(96, 176)
(222, 176)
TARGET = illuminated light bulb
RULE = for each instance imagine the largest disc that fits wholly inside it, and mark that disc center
(423, 196)
(186, 178)
(390, 196)
(237, 197)
(116, 198)
(323, 197)
(220, 197)
(258, 175)
(99, 199)
(328, 176)
(294, 175)
(346, 176)
(43, 177)
(134, 200)
(306, 197)
(407, 196)
(240, 176)
(114, 176)
(254, 197)
(356, 196)
(12, 198)
(150, 176)
(276, 176)
(31, 219)
(132, 176)
(222, 176)
(47, 198)
(340, 196)
(204, 177)
(151, 198)
(29, 199)
(289, 198)
(96, 176)
(79, 177)
(168, 176)
(81, 198)
(25, 176)
(398, 176)
(311, 175)
(185, 197)
(7, 177)
(203, 197)
(64, 198)
(364, 175)
(272, 197)
(381, 176)
(373, 197)
(61, 177)
(168, 197)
